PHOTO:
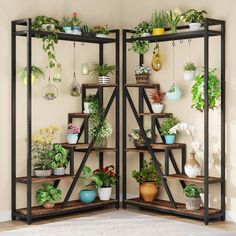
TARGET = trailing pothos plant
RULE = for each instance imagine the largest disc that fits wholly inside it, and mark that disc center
(50, 40)
(213, 91)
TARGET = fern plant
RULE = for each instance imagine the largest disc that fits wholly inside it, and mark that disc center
(102, 70)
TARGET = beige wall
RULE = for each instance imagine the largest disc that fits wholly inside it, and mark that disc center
(117, 15)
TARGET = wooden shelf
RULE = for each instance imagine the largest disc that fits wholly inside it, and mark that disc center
(140, 150)
(94, 85)
(83, 147)
(79, 115)
(158, 115)
(43, 179)
(72, 206)
(165, 206)
(198, 179)
(147, 85)
(163, 146)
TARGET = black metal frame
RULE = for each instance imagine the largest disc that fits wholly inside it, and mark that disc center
(29, 33)
(206, 33)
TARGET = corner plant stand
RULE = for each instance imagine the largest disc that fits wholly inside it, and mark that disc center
(34, 212)
(154, 150)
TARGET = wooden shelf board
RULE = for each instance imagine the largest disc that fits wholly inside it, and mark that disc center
(43, 179)
(165, 206)
(79, 115)
(83, 147)
(72, 205)
(147, 85)
(94, 85)
(158, 115)
(169, 146)
(198, 179)
(140, 150)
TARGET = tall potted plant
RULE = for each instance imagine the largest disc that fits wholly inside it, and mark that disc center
(156, 97)
(137, 139)
(72, 133)
(189, 71)
(195, 18)
(142, 74)
(158, 23)
(149, 181)
(193, 199)
(60, 160)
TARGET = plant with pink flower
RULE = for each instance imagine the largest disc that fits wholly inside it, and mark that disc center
(73, 129)
(75, 21)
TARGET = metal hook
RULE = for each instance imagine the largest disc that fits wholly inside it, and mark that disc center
(181, 40)
(173, 43)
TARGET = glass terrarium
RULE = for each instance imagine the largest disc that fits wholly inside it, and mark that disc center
(75, 89)
(57, 73)
(50, 91)
(84, 69)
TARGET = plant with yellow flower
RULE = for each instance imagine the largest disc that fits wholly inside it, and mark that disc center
(173, 18)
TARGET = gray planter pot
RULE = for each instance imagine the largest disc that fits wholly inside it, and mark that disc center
(59, 171)
(193, 204)
(42, 173)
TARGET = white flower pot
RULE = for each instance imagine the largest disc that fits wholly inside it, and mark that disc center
(103, 79)
(102, 35)
(43, 173)
(72, 138)
(145, 34)
(48, 27)
(59, 171)
(194, 26)
(104, 193)
(157, 107)
(189, 74)
(86, 107)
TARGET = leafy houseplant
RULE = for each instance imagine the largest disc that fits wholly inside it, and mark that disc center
(149, 180)
(194, 18)
(101, 31)
(189, 71)
(42, 150)
(66, 24)
(90, 99)
(213, 91)
(60, 159)
(165, 127)
(36, 73)
(72, 133)
(158, 23)
(173, 18)
(142, 74)
(156, 97)
(48, 195)
(137, 138)
(192, 193)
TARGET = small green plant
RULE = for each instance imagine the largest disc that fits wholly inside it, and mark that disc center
(198, 91)
(99, 29)
(167, 124)
(194, 16)
(173, 18)
(48, 194)
(143, 70)
(102, 70)
(192, 191)
(75, 21)
(136, 134)
(189, 66)
(147, 174)
(158, 20)
(66, 22)
(143, 27)
(45, 20)
(87, 29)
(60, 156)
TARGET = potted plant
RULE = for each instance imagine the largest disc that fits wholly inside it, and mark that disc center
(42, 151)
(87, 195)
(102, 72)
(66, 24)
(213, 91)
(75, 24)
(173, 18)
(189, 71)
(143, 29)
(36, 73)
(142, 74)
(45, 23)
(156, 97)
(194, 18)
(48, 195)
(193, 200)
(137, 138)
(103, 179)
(158, 23)
(165, 127)
(149, 181)
(174, 92)
(72, 133)
(60, 160)
(91, 98)
(101, 31)
(87, 31)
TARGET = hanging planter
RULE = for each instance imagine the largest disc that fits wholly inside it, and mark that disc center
(156, 60)
(189, 71)
(174, 92)
(57, 73)
(50, 91)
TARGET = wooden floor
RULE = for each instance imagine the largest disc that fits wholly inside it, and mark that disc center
(10, 225)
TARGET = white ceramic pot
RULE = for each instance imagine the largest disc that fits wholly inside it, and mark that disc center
(59, 171)
(145, 34)
(157, 107)
(189, 74)
(102, 35)
(48, 27)
(72, 138)
(194, 26)
(192, 168)
(103, 79)
(42, 173)
(104, 193)
(86, 107)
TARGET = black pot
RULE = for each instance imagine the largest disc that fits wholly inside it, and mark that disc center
(140, 143)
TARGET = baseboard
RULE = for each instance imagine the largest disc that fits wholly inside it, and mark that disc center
(5, 216)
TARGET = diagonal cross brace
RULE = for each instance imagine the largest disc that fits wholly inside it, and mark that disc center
(143, 134)
(72, 186)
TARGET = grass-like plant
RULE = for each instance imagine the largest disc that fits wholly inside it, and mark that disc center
(158, 20)
(156, 96)
(192, 191)
(190, 66)
(167, 124)
(102, 70)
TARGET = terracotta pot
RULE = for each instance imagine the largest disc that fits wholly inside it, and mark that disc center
(142, 79)
(148, 191)
(48, 205)
(192, 168)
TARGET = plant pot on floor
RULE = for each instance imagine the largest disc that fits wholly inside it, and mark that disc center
(193, 204)
(103, 79)
(148, 191)
(158, 31)
(59, 171)
(72, 138)
(157, 107)
(189, 74)
(194, 26)
(86, 107)
(142, 79)
(169, 139)
(87, 196)
(48, 205)
(42, 173)
(104, 193)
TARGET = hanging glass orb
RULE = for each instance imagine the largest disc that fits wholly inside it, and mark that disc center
(84, 69)
(50, 91)
(156, 59)
(75, 89)
(57, 73)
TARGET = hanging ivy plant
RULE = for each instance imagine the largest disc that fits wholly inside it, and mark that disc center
(198, 91)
